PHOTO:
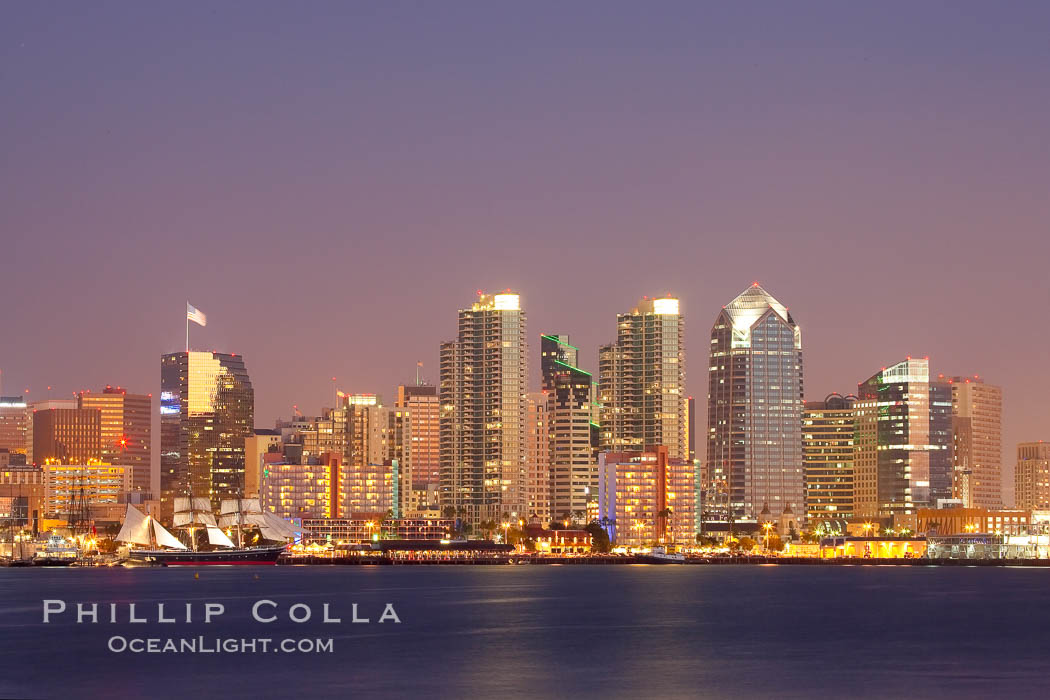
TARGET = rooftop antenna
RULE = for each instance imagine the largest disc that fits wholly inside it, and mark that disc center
(419, 367)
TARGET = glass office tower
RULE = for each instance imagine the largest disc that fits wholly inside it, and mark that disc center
(754, 441)
(902, 456)
(207, 409)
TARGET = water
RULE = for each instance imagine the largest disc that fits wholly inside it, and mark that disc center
(540, 631)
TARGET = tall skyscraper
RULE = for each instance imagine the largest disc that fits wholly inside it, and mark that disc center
(641, 381)
(1032, 476)
(484, 379)
(827, 457)
(977, 443)
(207, 409)
(67, 436)
(902, 454)
(754, 407)
(13, 420)
(126, 431)
(573, 461)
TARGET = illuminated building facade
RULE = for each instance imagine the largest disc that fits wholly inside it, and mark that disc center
(827, 457)
(754, 412)
(420, 436)
(977, 429)
(67, 486)
(297, 490)
(572, 431)
(126, 431)
(207, 409)
(13, 419)
(67, 436)
(484, 379)
(646, 497)
(902, 449)
(642, 381)
(1032, 476)
(538, 479)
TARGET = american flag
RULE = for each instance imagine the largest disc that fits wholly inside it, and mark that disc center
(196, 315)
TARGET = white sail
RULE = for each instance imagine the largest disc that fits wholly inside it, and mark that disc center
(193, 517)
(135, 528)
(229, 505)
(281, 525)
(218, 537)
(269, 533)
(182, 504)
(202, 503)
(165, 538)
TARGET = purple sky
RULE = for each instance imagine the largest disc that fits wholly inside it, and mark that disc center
(330, 185)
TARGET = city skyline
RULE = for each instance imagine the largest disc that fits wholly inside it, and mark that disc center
(388, 394)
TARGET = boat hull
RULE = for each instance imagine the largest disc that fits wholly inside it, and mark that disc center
(258, 556)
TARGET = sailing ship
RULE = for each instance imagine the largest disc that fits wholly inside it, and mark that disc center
(194, 516)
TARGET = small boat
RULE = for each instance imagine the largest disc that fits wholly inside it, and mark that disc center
(659, 555)
(57, 552)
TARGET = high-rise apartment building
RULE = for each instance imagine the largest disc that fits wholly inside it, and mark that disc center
(1032, 476)
(573, 459)
(641, 379)
(126, 431)
(902, 449)
(67, 436)
(977, 443)
(484, 379)
(754, 407)
(13, 420)
(538, 480)
(207, 409)
(827, 457)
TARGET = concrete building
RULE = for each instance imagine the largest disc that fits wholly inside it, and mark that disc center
(67, 435)
(641, 381)
(484, 379)
(13, 424)
(422, 454)
(68, 487)
(298, 490)
(538, 480)
(977, 416)
(646, 498)
(827, 457)
(1032, 476)
(126, 431)
(42, 405)
(260, 443)
(754, 444)
(902, 451)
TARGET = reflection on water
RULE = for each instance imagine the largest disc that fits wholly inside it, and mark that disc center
(537, 632)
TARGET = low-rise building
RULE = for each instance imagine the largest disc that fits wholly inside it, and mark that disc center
(363, 528)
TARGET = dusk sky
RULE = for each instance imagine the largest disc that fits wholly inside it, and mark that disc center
(331, 182)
